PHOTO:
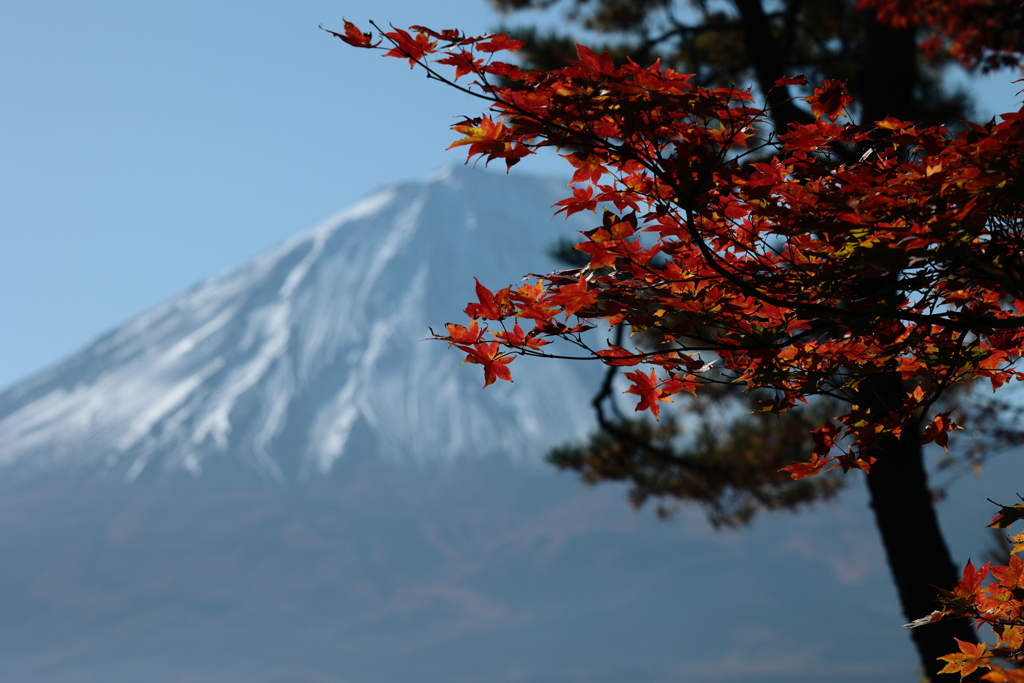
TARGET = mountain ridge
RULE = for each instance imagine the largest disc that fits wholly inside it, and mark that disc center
(291, 350)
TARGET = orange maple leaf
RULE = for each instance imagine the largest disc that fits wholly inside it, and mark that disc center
(1012, 575)
(650, 391)
(461, 335)
(1018, 543)
(968, 660)
(800, 470)
(483, 136)
(1001, 675)
(970, 585)
(532, 302)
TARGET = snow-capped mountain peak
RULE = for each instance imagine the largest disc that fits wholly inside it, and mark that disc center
(293, 359)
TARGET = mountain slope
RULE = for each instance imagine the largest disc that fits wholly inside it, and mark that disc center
(481, 573)
(283, 363)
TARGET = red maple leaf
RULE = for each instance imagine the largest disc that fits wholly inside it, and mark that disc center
(589, 167)
(829, 100)
(464, 63)
(487, 308)
(582, 200)
(353, 36)
(812, 468)
(574, 297)
(791, 80)
(616, 355)
(517, 338)
(938, 430)
(414, 49)
(494, 361)
(498, 42)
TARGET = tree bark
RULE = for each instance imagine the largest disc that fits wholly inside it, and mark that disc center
(905, 514)
(769, 60)
(890, 76)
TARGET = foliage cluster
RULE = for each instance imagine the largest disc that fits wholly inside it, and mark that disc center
(784, 248)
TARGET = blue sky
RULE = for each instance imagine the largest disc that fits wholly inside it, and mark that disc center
(147, 146)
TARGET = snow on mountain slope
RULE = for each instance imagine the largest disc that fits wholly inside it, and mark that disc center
(285, 362)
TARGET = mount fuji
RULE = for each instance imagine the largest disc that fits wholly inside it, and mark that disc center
(286, 363)
(271, 479)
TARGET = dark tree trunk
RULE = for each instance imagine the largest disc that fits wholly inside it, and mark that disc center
(769, 60)
(890, 77)
(905, 514)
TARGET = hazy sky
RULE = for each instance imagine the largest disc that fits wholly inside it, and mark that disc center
(145, 146)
